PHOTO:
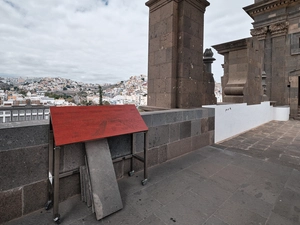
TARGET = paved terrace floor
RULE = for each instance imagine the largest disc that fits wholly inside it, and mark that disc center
(253, 178)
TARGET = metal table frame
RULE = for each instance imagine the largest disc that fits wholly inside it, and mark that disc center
(54, 175)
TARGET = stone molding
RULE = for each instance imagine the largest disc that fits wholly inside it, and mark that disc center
(260, 33)
(262, 7)
(231, 46)
(279, 29)
(156, 4)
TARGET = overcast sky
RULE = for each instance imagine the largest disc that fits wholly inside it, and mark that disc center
(97, 41)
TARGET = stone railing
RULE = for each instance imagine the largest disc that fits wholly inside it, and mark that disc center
(26, 113)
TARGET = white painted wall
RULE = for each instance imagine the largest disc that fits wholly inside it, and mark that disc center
(233, 119)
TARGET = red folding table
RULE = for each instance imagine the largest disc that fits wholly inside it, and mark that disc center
(74, 124)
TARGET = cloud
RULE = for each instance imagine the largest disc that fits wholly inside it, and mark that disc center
(95, 40)
(225, 21)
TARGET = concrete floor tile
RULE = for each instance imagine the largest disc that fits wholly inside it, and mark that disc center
(187, 160)
(275, 170)
(211, 191)
(235, 214)
(185, 210)
(70, 211)
(172, 187)
(157, 174)
(130, 185)
(288, 205)
(128, 215)
(248, 162)
(290, 159)
(211, 165)
(214, 221)
(88, 220)
(231, 177)
(252, 203)
(265, 188)
(293, 182)
(144, 203)
(208, 151)
(275, 219)
(152, 219)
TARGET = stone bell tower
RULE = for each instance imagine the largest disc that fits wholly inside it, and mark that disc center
(175, 67)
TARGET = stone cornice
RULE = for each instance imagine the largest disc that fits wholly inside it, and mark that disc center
(262, 7)
(275, 29)
(260, 32)
(279, 29)
(231, 46)
(156, 4)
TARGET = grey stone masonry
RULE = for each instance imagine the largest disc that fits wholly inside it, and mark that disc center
(175, 66)
(179, 131)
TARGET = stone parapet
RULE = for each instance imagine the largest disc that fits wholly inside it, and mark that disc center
(24, 155)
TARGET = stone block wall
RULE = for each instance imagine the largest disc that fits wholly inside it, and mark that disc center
(24, 155)
(24, 168)
(176, 132)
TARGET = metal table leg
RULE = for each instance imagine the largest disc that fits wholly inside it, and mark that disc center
(144, 182)
(50, 173)
(56, 216)
(133, 139)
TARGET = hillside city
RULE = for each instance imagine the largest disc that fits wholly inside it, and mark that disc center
(61, 92)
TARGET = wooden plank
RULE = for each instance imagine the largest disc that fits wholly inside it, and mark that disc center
(105, 190)
(72, 124)
(79, 124)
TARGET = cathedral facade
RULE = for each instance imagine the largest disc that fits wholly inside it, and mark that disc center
(265, 66)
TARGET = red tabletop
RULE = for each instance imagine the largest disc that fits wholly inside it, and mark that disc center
(73, 124)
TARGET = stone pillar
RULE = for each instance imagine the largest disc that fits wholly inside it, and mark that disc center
(279, 83)
(209, 97)
(208, 59)
(175, 72)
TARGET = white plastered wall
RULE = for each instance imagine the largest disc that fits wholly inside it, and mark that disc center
(234, 119)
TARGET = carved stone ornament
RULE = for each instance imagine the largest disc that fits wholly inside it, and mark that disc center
(259, 33)
(278, 29)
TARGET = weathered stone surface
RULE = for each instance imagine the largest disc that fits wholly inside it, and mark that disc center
(158, 136)
(211, 123)
(21, 137)
(69, 186)
(185, 129)
(174, 117)
(200, 141)
(204, 125)
(147, 118)
(106, 195)
(120, 145)
(174, 132)
(195, 127)
(10, 204)
(72, 157)
(178, 148)
(35, 196)
(158, 119)
(162, 154)
(119, 169)
(19, 167)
